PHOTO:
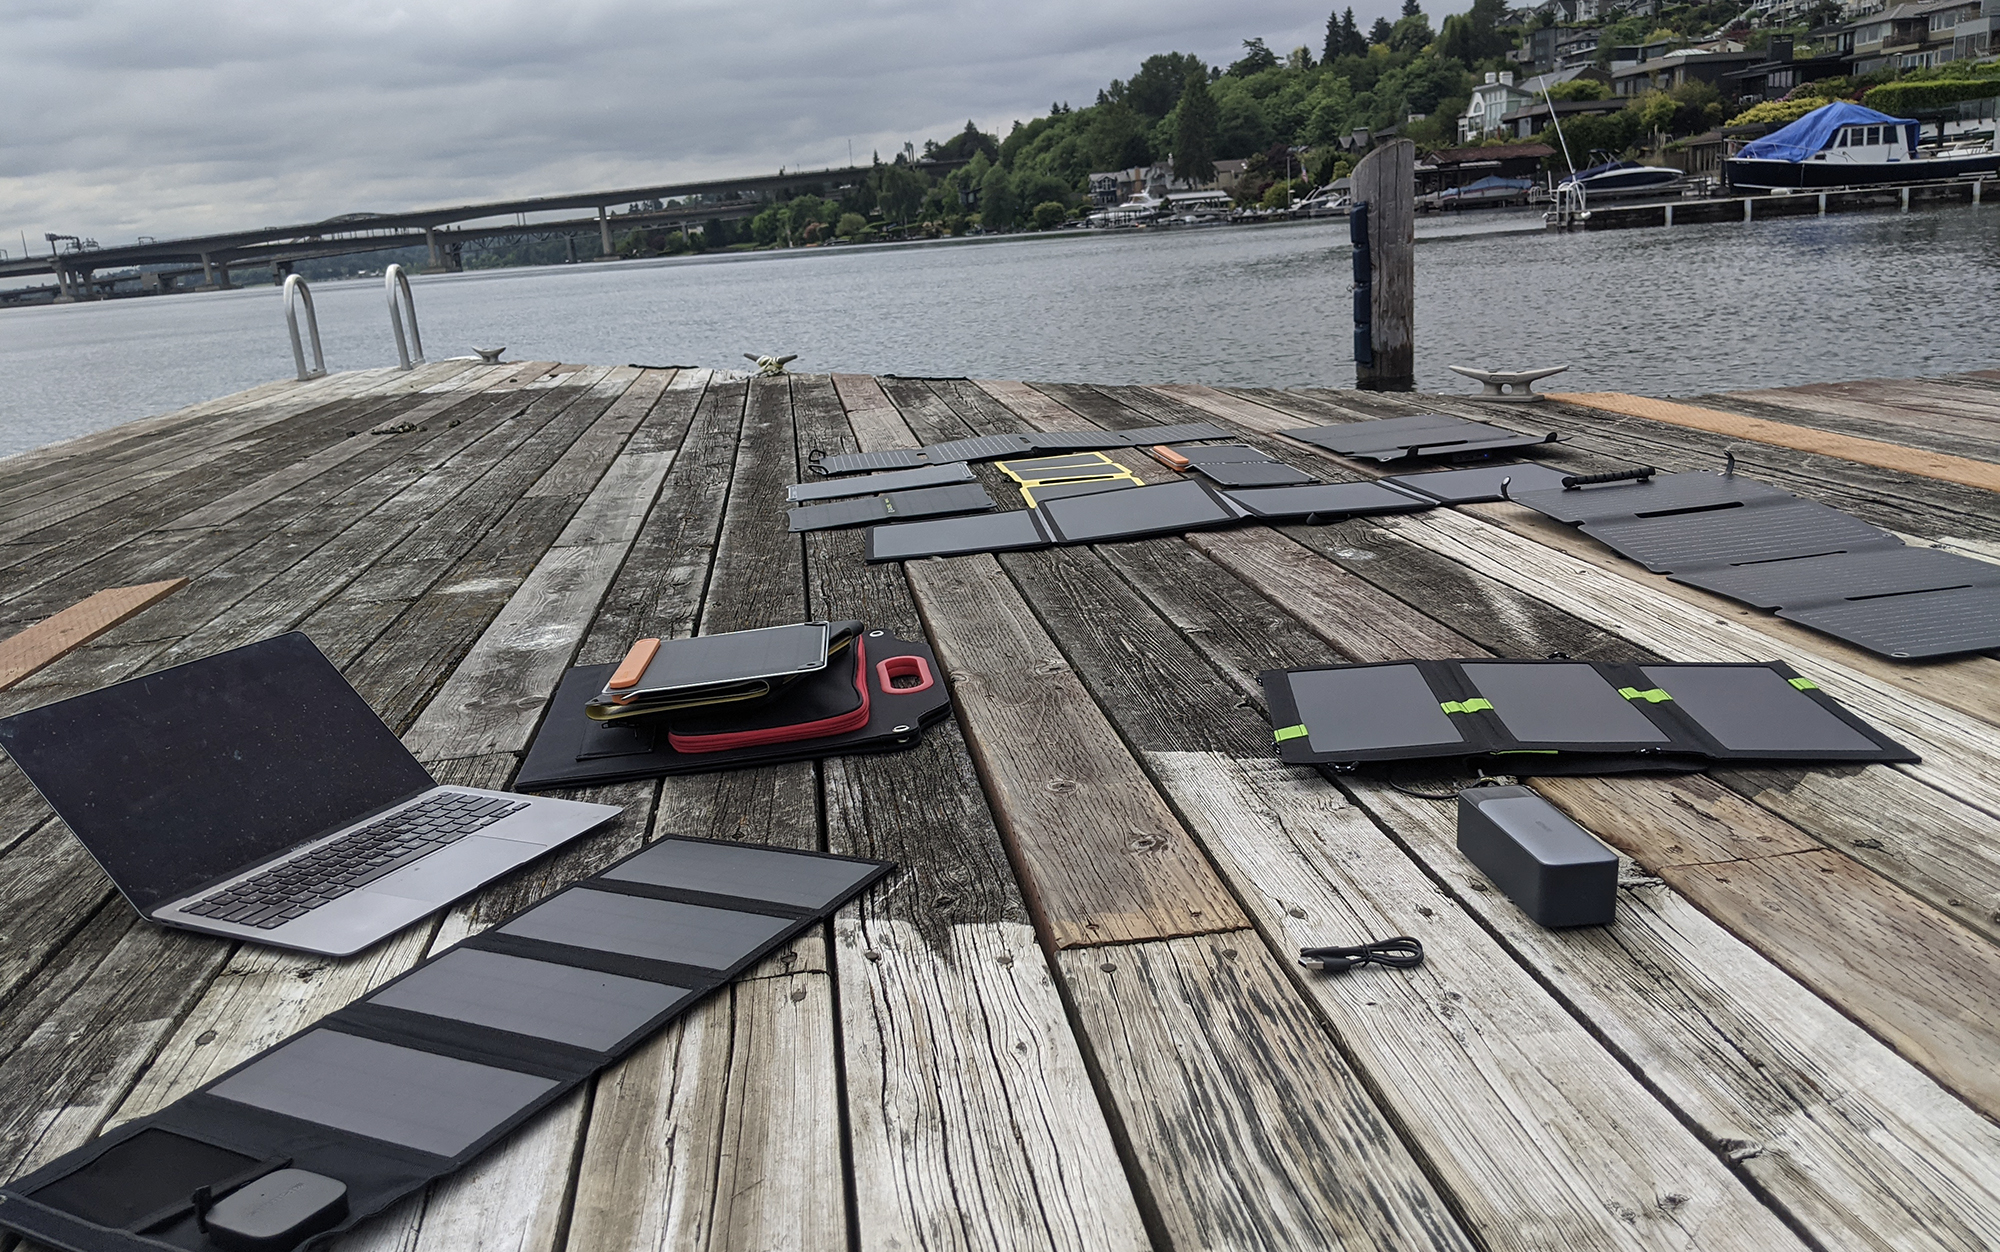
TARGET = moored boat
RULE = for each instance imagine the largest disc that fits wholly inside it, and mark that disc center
(1624, 178)
(1850, 145)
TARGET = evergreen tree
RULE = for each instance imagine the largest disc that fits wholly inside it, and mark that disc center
(1410, 9)
(1195, 131)
(1380, 31)
(997, 206)
(1351, 41)
(1332, 48)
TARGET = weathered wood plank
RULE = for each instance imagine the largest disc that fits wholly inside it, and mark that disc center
(1895, 456)
(1103, 860)
(1247, 1130)
(54, 637)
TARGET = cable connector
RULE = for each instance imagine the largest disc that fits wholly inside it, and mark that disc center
(1401, 952)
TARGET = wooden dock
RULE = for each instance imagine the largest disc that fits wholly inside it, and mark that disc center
(1074, 1021)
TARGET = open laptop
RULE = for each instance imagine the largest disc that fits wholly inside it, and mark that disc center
(254, 794)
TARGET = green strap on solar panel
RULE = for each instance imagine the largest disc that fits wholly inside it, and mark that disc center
(1656, 696)
(1289, 732)
(1466, 706)
(1803, 684)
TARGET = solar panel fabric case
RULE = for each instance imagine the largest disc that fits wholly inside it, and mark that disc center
(411, 1082)
(1549, 717)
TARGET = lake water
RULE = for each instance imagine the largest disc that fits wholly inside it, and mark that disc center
(1658, 312)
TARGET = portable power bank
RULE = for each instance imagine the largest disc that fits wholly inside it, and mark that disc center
(1555, 870)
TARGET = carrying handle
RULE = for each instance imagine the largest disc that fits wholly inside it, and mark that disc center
(1170, 458)
(889, 670)
(633, 667)
(1572, 481)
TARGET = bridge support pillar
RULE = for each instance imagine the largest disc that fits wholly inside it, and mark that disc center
(214, 274)
(65, 286)
(569, 240)
(605, 252)
(436, 265)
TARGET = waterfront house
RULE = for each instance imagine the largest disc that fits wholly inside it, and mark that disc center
(1499, 98)
(1534, 118)
(1779, 72)
(1671, 69)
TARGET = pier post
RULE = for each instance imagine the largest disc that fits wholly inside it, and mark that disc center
(1385, 236)
(1822, 204)
(1670, 216)
(1906, 199)
(1746, 208)
(1976, 184)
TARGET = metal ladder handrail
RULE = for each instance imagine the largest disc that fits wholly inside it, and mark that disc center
(297, 293)
(398, 285)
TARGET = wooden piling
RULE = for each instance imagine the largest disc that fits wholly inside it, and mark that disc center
(1385, 182)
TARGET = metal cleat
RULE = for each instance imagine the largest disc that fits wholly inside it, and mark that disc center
(770, 366)
(1509, 385)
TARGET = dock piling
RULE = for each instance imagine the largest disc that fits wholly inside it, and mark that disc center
(1385, 187)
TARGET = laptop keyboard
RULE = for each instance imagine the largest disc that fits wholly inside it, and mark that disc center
(294, 888)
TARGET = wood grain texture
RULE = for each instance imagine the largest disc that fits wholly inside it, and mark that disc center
(1248, 1132)
(1102, 857)
(1855, 1145)
(1895, 456)
(1385, 182)
(50, 639)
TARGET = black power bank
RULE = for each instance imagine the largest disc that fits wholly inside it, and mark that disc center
(1555, 870)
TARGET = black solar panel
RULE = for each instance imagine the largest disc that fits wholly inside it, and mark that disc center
(1424, 435)
(956, 536)
(923, 502)
(1916, 625)
(1818, 566)
(1057, 491)
(1230, 453)
(1328, 500)
(1479, 483)
(992, 447)
(1250, 473)
(1168, 508)
(1734, 536)
(874, 484)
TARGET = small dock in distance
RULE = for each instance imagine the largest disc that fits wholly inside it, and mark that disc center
(1806, 202)
(1074, 1020)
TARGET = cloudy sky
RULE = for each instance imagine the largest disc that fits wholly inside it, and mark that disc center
(131, 117)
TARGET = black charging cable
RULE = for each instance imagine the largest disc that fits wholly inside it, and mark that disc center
(1402, 952)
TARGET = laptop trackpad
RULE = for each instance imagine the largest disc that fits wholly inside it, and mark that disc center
(449, 873)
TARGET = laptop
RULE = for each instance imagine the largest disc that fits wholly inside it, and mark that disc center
(254, 794)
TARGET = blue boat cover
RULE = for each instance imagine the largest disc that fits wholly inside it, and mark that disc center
(1811, 133)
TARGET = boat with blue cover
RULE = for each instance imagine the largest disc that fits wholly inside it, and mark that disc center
(1849, 145)
(1623, 178)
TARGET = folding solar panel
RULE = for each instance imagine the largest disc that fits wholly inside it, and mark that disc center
(1422, 435)
(1739, 536)
(406, 1085)
(1036, 496)
(1560, 717)
(1251, 473)
(957, 536)
(1480, 483)
(874, 484)
(1327, 500)
(922, 502)
(1817, 566)
(1168, 508)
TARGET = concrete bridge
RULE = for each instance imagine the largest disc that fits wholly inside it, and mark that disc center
(444, 231)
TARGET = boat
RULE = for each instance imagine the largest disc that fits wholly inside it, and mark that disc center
(1492, 191)
(1850, 145)
(1612, 179)
(1325, 202)
(1143, 207)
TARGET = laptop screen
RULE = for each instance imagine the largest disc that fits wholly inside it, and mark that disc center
(186, 775)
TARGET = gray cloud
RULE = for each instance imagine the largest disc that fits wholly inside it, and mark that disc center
(125, 117)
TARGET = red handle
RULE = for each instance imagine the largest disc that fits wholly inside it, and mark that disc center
(888, 671)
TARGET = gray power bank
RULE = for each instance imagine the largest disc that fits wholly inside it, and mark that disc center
(1555, 870)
